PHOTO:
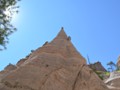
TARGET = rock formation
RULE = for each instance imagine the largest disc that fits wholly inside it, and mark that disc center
(97, 67)
(10, 67)
(99, 70)
(118, 62)
(114, 80)
(54, 66)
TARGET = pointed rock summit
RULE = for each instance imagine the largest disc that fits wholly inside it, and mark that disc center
(61, 45)
(62, 34)
(54, 66)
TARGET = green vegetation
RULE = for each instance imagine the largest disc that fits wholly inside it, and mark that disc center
(99, 73)
(112, 66)
(7, 9)
(118, 70)
(102, 75)
(107, 73)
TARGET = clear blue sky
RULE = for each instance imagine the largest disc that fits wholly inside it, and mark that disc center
(94, 26)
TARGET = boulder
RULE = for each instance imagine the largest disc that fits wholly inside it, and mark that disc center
(97, 67)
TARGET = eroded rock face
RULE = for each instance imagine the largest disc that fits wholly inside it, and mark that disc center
(118, 62)
(55, 66)
(10, 67)
(97, 67)
(114, 80)
(20, 62)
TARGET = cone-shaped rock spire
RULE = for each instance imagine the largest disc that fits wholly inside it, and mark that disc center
(55, 66)
(60, 45)
(62, 34)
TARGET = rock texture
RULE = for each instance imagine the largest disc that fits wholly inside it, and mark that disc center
(99, 70)
(97, 67)
(10, 67)
(54, 66)
(7, 70)
(118, 62)
(113, 81)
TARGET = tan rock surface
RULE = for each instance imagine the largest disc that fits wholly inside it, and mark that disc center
(118, 62)
(10, 67)
(114, 80)
(55, 66)
(97, 67)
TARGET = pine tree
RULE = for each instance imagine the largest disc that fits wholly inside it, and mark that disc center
(6, 28)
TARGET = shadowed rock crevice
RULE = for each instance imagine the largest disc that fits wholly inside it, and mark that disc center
(75, 82)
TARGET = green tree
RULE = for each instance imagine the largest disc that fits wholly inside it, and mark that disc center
(112, 66)
(6, 28)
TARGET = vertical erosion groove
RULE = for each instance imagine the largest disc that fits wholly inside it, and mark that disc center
(76, 79)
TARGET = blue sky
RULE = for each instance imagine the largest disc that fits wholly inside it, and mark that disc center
(94, 26)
